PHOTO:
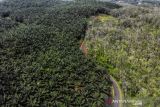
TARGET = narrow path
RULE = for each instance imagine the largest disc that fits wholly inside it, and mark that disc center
(117, 97)
(117, 93)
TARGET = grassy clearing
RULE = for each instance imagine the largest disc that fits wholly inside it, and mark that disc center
(129, 47)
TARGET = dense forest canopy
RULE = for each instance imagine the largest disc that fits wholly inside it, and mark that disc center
(40, 60)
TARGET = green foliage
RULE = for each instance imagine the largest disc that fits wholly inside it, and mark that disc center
(40, 60)
(131, 49)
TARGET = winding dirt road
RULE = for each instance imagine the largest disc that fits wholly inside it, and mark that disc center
(117, 93)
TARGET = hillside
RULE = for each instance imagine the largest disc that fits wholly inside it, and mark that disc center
(127, 43)
(40, 60)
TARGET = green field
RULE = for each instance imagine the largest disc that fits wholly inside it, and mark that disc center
(127, 44)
